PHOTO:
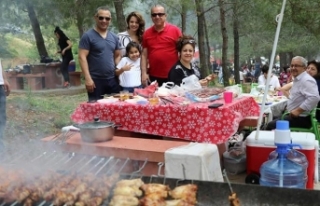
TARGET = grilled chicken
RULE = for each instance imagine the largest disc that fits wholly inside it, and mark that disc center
(28, 202)
(153, 199)
(131, 183)
(160, 189)
(119, 200)
(127, 191)
(178, 203)
(185, 192)
(95, 201)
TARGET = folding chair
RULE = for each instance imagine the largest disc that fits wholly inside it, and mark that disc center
(314, 125)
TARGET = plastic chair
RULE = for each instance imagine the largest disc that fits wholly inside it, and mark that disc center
(314, 125)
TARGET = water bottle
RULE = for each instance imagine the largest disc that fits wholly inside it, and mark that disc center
(282, 171)
(293, 155)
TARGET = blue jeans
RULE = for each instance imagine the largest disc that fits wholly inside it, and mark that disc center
(130, 89)
(3, 116)
(103, 86)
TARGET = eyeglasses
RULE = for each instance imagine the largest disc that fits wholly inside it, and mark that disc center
(295, 66)
(158, 14)
(102, 18)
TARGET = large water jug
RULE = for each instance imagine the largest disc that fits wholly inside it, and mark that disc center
(281, 171)
(295, 156)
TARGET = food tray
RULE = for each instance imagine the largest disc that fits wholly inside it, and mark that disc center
(204, 94)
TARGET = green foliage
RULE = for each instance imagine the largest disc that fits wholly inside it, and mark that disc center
(299, 33)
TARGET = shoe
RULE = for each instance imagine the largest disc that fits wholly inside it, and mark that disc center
(66, 85)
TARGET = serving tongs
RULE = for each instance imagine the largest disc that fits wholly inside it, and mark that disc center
(233, 199)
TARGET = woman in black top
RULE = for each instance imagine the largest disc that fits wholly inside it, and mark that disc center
(184, 67)
(66, 53)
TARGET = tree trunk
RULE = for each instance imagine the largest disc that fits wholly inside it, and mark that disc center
(183, 17)
(203, 44)
(225, 69)
(118, 5)
(36, 30)
(236, 42)
(79, 22)
(285, 58)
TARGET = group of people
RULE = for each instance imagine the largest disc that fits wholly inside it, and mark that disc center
(133, 58)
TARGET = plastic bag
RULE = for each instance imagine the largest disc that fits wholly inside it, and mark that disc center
(190, 83)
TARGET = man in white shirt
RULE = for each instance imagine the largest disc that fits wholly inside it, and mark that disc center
(304, 96)
(4, 92)
(262, 80)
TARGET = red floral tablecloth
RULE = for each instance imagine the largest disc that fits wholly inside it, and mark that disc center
(194, 122)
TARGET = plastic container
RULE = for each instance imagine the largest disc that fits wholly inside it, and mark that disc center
(234, 164)
(294, 156)
(258, 151)
(72, 66)
(281, 171)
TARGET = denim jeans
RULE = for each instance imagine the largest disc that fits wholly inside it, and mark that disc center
(3, 115)
(130, 89)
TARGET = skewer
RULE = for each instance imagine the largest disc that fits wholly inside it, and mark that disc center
(94, 166)
(111, 168)
(13, 204)
(80, 161)
(83, 166)
(234, 201)
(141, 168)
(124, 164)
(107, 162)
(42, 203)
(228, 181)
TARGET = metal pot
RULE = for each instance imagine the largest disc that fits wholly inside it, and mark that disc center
(97, 131)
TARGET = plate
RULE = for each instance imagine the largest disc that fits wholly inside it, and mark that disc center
(118, 96)
(131, 101)
(108, 101)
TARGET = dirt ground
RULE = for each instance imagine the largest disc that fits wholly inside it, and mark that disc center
(25, 121)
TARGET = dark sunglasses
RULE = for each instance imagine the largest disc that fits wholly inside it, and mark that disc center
(158, 14)
(102, 18)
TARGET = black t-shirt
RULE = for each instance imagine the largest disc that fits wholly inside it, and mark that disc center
(179, 72)
(63, 44)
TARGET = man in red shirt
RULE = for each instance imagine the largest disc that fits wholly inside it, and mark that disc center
(159, 47)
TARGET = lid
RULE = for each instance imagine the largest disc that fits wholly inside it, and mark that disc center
(282, 125)
(96, 124)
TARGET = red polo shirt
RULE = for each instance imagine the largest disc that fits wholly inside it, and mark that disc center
(161, 46)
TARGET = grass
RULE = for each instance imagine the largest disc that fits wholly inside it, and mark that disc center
(34, 117)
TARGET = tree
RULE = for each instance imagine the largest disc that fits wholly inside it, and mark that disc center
(225, 69)
(236, 41)
(203, 43)
(122, 25)
(36, 30)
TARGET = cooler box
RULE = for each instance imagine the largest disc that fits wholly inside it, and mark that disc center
(258, 152)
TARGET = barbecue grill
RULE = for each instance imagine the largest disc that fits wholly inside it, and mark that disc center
(209, 193)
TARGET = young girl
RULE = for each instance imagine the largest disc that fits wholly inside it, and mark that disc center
(128, 69)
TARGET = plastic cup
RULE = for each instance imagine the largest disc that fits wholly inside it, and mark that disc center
(153, 99)
(227, 96)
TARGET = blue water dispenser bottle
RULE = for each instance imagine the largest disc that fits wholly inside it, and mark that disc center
(287, 167)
